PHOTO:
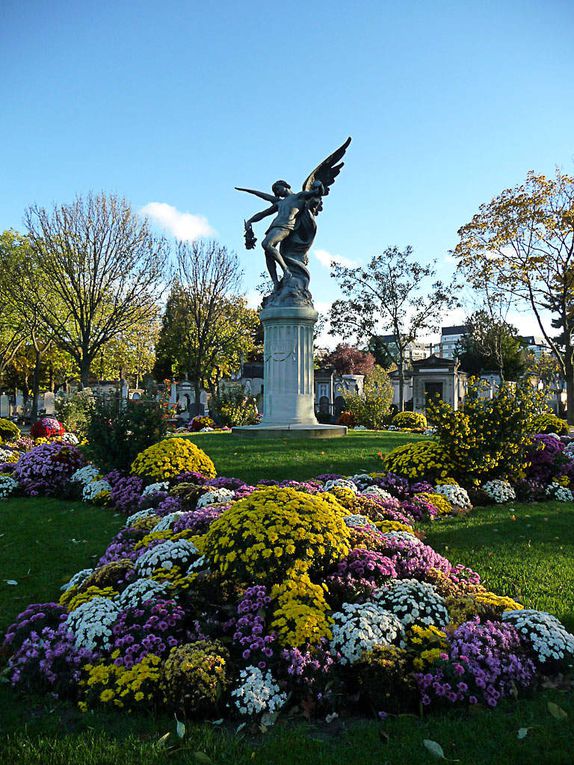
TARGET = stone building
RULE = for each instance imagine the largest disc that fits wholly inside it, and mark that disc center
(432, 376)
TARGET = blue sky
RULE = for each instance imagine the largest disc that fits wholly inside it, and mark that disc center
(175, 103)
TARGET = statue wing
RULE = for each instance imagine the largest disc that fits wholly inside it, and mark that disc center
(329, 169)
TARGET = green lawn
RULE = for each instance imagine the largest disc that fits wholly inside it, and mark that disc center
(295, 458)
(44, 541)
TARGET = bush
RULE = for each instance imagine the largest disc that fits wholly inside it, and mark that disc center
(372, 408)
(47, 427)
(490, 436)
(348, 419)
(75, 412)
(116, 437)
(198, 423)
(232, 407)
(262, 536)
(170, 458)
(547, 422)
(410, 420)
(194, 677)
(421, 459)
(9, 431)
(47, 468)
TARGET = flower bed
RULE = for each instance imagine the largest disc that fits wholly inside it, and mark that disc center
(220, 598)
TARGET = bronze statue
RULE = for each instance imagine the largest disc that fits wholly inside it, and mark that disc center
(292, 232)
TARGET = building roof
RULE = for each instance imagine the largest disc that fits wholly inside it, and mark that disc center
(458, 329)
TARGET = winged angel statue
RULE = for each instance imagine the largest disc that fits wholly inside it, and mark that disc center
(291, 233)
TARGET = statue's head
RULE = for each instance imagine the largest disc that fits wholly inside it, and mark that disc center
(318, 188)
(281, 189)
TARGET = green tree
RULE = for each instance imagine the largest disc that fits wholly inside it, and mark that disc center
(372, 408)
(522, 243)
(207, 328)
(492, 346)
(101, 268)
(392, 292)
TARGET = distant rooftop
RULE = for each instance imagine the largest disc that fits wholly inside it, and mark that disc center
(459, 329)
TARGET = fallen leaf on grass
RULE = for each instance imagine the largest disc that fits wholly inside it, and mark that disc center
(12, 582)
(435, 749)
(557, 712)
(203, 758)
(522, 733)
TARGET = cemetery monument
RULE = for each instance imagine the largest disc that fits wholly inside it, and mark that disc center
(288, 315)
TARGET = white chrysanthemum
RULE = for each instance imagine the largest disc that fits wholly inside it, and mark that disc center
(360, 626)
(215, 497)
(77, 579)
(257, 693)
(548, 638)
(402, 536)
(85, 475)
(9, 455)
(94, 490)
(413, 602)
(362, 480)
(198, 565)
(456, 495)
(167, 521)
(134, 517)
(343, 483)
(569, 450)
(92, 623)
(70, 438)
(166, 555)
(155, 488)
(376, 491)
(357, 521)
(499, 491)
(8, 486)
(139, 591)
(559, 493)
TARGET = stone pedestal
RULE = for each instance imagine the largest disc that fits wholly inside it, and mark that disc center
(288, 388)
(288, 395)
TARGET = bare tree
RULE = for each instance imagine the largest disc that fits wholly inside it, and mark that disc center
(203, 324)
(104, 269)
(388, 293)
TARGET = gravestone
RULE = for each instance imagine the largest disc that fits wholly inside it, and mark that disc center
(49, 403)
(19, 403)
(4, 406)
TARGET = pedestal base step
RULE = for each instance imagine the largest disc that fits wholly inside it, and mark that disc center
(291, 431)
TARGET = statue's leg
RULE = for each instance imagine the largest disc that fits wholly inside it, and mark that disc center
(272, 268)
(274, 237)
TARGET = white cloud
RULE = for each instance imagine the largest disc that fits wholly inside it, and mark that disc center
(184, 226)
(325, 259)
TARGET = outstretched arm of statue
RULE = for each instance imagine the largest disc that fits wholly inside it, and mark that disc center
(260, 215)
(260, 194)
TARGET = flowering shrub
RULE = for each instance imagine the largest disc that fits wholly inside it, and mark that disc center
(546, 637)
(261, 536)
(420, 459)
(9, 431)
(47, 468)
(485, 662)
(199, 423)
(456, 495)
(385, 678)
(410, 420)
(499, 491)
(358, 627)
(171, 457)
(131, 687)
(47, 427)
(559, 493)
(8, 486)
(490, 436)
(413, 602)
(49, 661)
(348, 419)
(301, 614)
(550, 423)
(257, 693)
(91, 623)
(194, 677)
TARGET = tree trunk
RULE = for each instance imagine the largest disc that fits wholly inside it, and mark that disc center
(401, 369)
(197, 392)
(85, 364)
(36, 386)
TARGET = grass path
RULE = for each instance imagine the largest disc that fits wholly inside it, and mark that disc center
(295, 458)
